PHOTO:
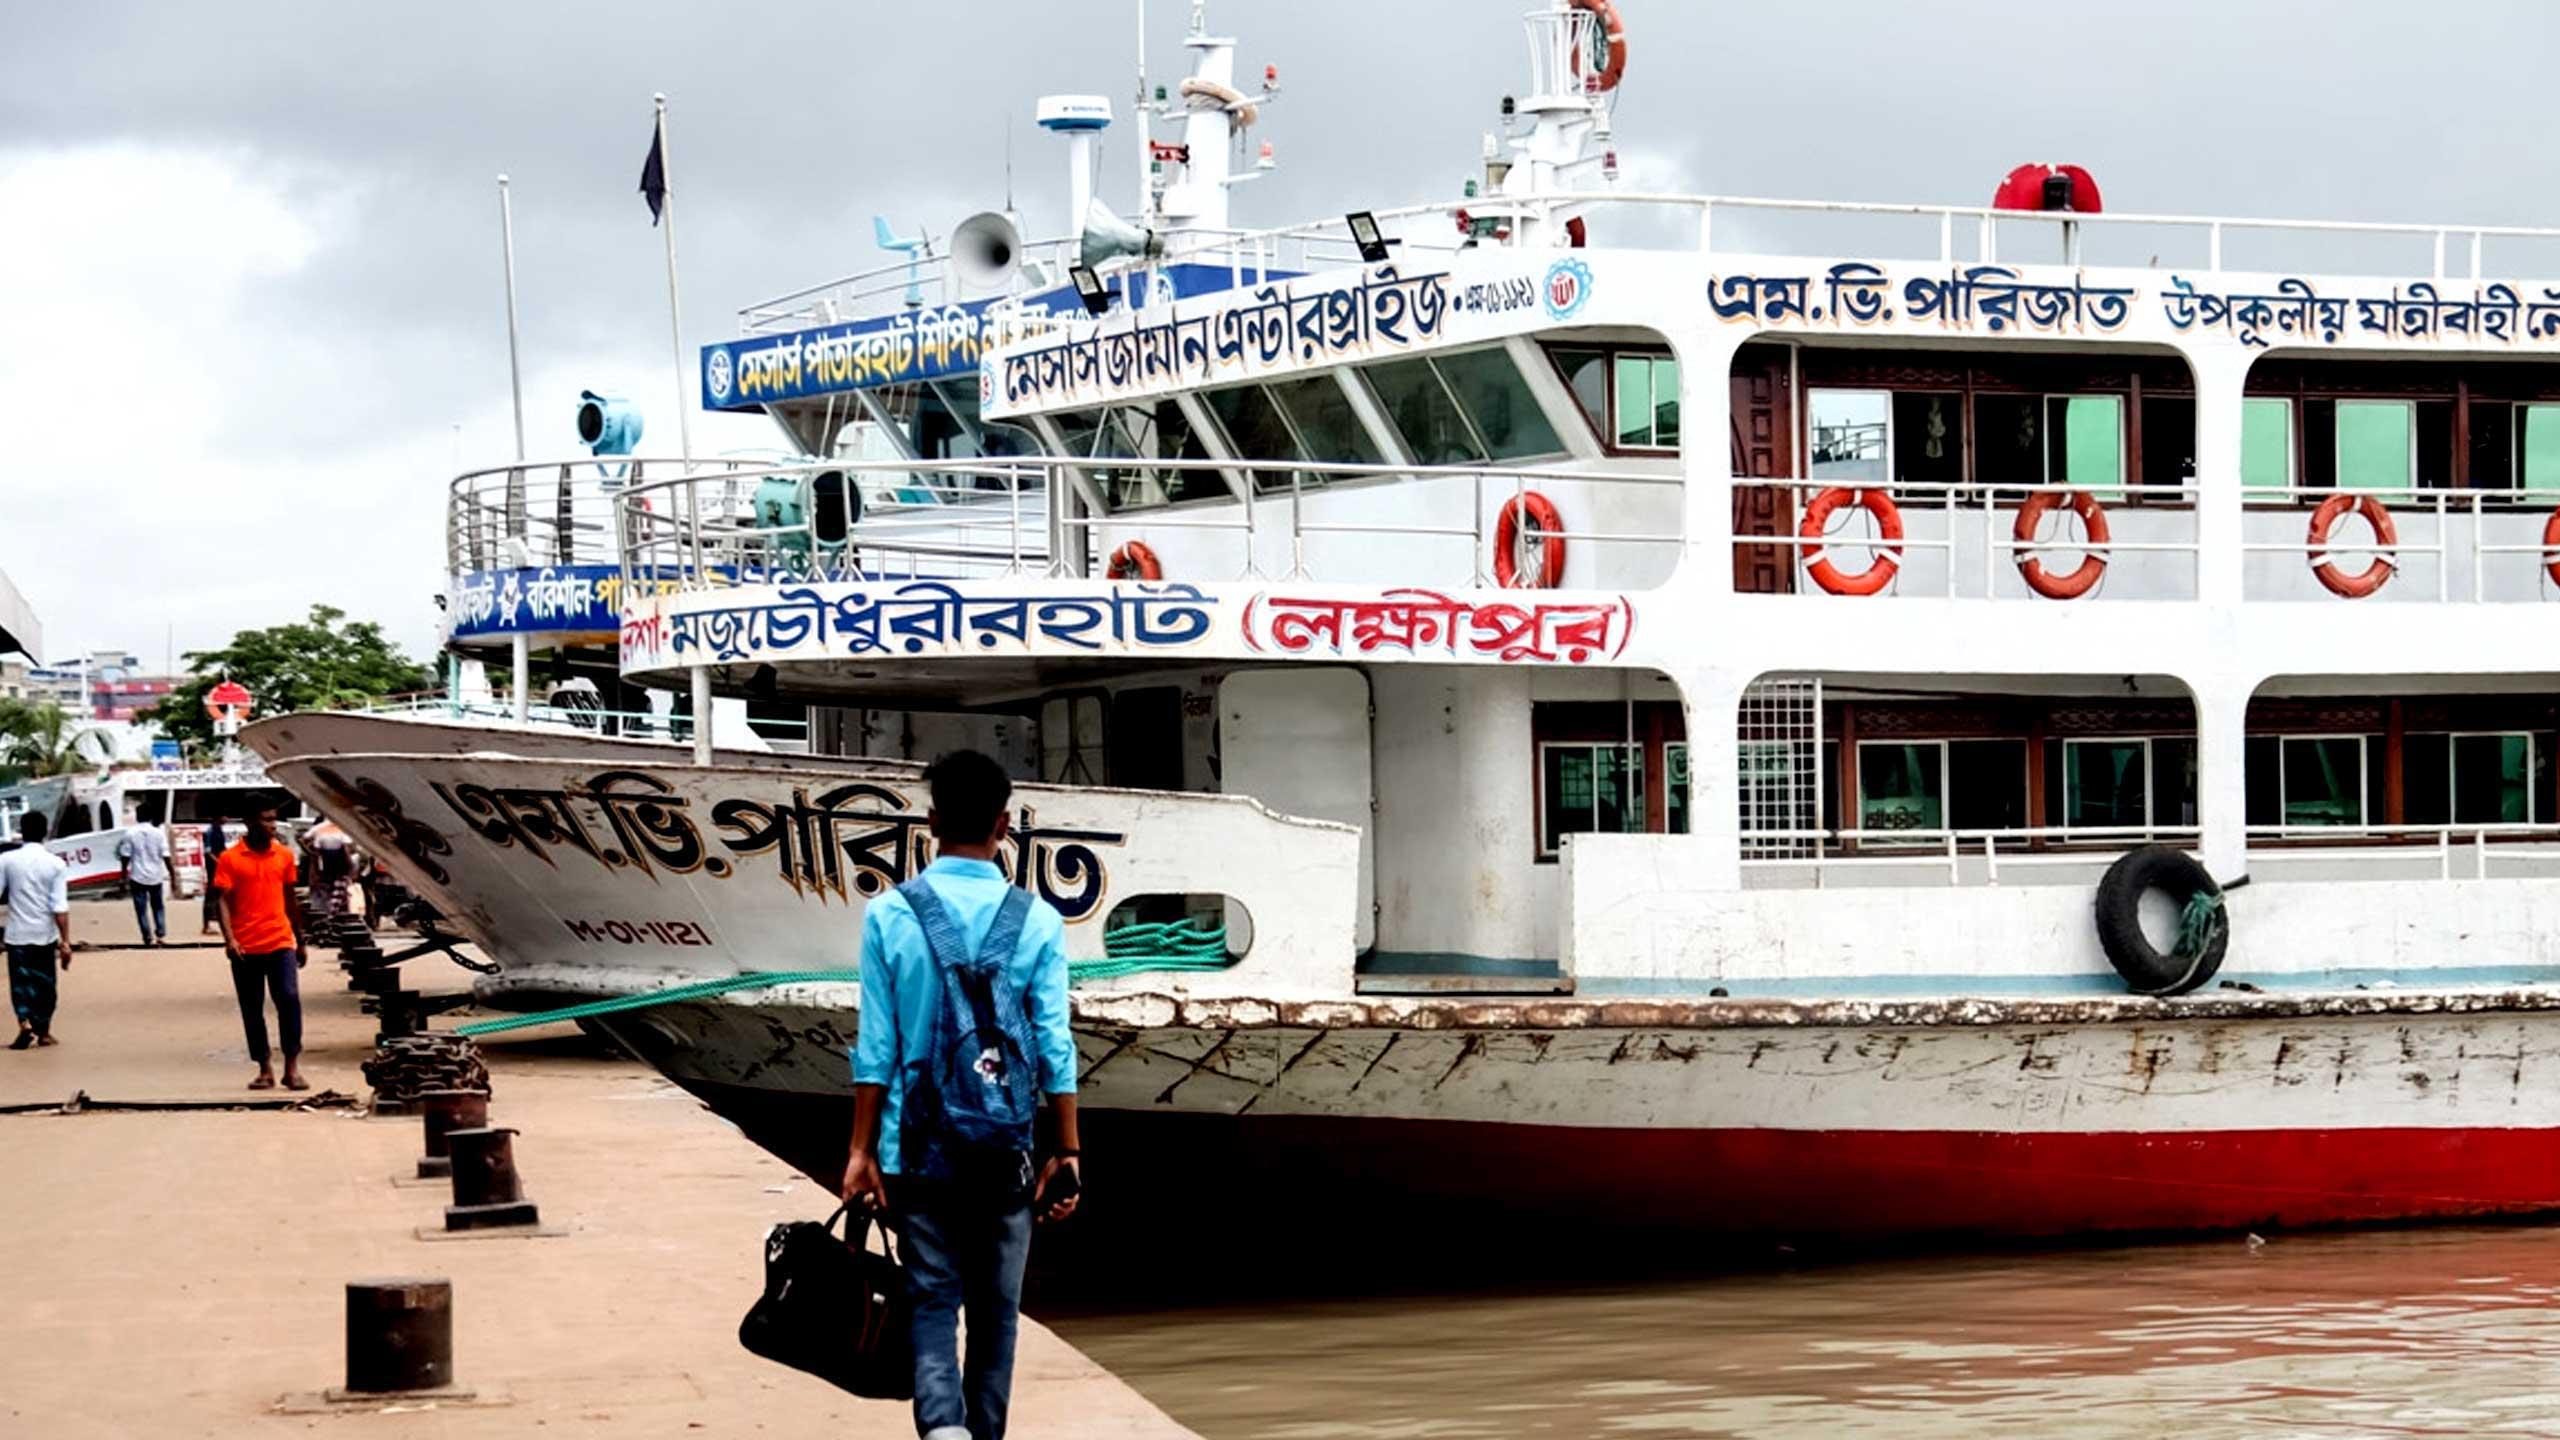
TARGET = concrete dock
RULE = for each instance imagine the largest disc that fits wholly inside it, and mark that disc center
(176, 1273)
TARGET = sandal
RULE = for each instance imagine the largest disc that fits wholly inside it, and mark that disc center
(296, 1082)
(263, 1082)
(25, 1039)
(45, 1037)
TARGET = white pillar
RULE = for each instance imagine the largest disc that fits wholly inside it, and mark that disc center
(701, 715)
(522, 687)
(2221, 570)
(2222, 781)
(1714, 703)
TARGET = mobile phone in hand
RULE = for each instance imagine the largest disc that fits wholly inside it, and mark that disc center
(1063, 1186)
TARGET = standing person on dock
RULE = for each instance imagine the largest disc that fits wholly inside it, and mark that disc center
(144, 853)
(35, 895)
(263, 933)
(964, 1008)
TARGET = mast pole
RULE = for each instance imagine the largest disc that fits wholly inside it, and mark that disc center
(675, 307)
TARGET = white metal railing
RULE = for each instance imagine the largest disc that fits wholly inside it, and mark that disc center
(695, 531)
(1950, 849)
(1252, 255)
(1956, 503)
(554, 512)
(627, 724)
(1981, 856)
(2370, 846)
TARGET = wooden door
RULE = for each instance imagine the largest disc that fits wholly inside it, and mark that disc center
(1763, 447)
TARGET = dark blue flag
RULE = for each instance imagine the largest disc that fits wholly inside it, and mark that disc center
(653, 176)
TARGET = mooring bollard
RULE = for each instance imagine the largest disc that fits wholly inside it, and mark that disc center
(399, 1336)
(447, 1111)
(486, 1193)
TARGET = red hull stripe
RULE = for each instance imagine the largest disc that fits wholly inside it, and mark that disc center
(1860, 1184)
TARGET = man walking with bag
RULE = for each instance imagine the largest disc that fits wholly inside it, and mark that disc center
(963, 1028)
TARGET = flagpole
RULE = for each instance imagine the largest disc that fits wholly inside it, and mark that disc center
(515, 374)
(675, 307)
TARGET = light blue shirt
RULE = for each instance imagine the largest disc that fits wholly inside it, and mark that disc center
(902, 986)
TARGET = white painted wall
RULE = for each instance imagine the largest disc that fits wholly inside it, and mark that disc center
(1457, 872)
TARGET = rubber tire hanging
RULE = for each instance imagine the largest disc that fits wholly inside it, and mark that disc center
(2145, 969)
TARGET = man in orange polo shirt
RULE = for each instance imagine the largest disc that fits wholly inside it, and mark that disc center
(263, 933)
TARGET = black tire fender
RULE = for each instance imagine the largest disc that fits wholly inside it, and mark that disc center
(2146, 970)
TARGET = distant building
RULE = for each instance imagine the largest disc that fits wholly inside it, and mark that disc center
(103, 685)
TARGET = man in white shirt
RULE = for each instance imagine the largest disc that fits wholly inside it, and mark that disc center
(145, 854)
(35, 895)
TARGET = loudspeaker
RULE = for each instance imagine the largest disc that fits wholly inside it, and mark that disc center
(986, 251)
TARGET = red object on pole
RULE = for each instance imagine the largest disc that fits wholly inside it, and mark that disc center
(2024, 189)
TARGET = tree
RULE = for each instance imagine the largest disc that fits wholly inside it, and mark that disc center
(41, 740)
(320, 663)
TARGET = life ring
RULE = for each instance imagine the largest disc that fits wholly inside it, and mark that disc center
(1134, 561)
(1604, 16)
(1888, 555)
(2093, 560)
(2551, 546)
(2385, 537)
(1544, 523)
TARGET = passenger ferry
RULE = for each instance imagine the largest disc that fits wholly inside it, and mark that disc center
(1635, 705)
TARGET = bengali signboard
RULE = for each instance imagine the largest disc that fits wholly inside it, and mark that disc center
(550, 600)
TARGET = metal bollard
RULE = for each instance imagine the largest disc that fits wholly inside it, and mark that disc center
(399, 1336)
(447, 1111)
(486, 1192)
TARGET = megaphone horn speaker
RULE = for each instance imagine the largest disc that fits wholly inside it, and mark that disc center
(1106, 236)
(986, 251)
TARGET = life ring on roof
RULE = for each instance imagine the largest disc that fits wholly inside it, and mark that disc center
(1544, 528)
(1888, 551)
(2551, 546)
(1604, 18)
(2093, 560)
(1201, 94)
(2386, 539)
(1134, 561)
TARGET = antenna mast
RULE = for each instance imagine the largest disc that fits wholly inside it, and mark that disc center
(1138, 105)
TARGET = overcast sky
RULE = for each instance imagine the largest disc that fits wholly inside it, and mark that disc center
(250, 309)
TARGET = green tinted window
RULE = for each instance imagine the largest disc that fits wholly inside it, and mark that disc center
(2539, 468)
(2266, 444)
(2374, 439)
(2088, 443)
(1648, 402)
(1328, 428)
(2324, 780)
(2105, 782)
(1588, 788)
(1489, 388)
(1419, 407)
(1901, 787)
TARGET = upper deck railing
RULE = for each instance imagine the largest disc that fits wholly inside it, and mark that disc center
(1734, 224)
(692, 531)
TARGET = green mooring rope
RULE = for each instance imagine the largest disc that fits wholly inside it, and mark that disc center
(2195, 923)
(1184, 945)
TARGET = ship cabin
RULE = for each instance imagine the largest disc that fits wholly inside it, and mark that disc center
(1791, 599)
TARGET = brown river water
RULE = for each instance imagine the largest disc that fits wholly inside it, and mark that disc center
(2420, 1332)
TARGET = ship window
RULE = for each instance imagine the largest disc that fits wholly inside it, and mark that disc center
(2376, 445)
(1675, 787)
(1928, 437)
(1586, 374)
(1159, 431)
(2306, 780)
(1508, 419)
(1986, 784)
(2106, 782)
(1585, 788)
(2469, 779)
(1902, 785)
(2050, 440)
(1328, 430)
(2266, 444)
(2538, 447)
(1648, 402)
(1255, 430)
(1849, 431)
(1419, 407)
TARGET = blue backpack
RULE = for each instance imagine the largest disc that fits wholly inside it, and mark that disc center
(968, 1111)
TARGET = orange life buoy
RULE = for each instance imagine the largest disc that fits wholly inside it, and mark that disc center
(2386, 536)
(1604, 18)
(1888, 555)
(1545, 526)
(1134, 561)
(2093, 561)
(2551, 546)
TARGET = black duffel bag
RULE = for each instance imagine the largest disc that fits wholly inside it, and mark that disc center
(835, 1308)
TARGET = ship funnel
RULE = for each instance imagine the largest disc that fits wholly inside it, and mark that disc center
(1107, 237)
(986, 251)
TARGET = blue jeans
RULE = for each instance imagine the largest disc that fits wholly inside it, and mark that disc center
(150, 910)
(963, 1256)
